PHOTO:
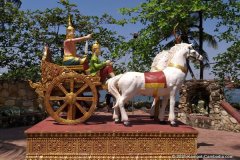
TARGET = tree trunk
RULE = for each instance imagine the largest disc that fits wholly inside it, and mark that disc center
(201, 42)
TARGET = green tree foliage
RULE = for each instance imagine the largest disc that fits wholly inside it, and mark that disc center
(16, 3)
(227, 14)
(160, 16)
(24, 33)
(228, 65)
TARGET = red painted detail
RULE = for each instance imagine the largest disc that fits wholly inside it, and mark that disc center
(155, 78)
(104, 123)
(230, 110)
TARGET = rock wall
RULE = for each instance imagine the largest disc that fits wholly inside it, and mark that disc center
(18, 93)
(217, 118)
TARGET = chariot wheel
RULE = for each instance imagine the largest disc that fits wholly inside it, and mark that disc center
(71, 98)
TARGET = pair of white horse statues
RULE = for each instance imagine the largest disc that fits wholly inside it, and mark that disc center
(169, 66)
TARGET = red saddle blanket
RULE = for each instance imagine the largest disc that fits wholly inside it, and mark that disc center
(155, 80)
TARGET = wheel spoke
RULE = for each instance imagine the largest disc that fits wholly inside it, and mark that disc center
(56, 98)
(71, 112)
(60, 86)
(61, 108)
(80, 108)
(81, 89)
(71, 85)
(85, 98)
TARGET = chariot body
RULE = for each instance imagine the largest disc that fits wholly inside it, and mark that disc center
(69, 94)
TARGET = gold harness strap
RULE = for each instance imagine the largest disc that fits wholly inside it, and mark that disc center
(182, 68)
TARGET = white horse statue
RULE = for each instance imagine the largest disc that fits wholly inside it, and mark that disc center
(162, 83)
(159, 63)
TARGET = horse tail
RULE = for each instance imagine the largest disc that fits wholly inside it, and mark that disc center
(112, 87)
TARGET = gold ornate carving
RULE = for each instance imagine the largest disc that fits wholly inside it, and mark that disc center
(39, 89)
(39, 146)
(67, 91)
(69, 145)
(110, 145)
(84, 146)
(99, 146)
(63, 88)
(54, 145)
(115, 146)
(130, 146)
(145, 146)
(114, 134)
(160, 145)
(50, 71)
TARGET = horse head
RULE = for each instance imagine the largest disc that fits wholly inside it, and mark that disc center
(193, 55)
(189, 52)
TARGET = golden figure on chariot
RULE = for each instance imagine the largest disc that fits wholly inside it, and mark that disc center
(70, 57)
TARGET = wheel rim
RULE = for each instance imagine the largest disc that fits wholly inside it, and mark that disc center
(71, 98)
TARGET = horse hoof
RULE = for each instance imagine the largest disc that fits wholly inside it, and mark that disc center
(163, 122)
(151, 117)
(174, 125)
(127, 124)
(117, 122)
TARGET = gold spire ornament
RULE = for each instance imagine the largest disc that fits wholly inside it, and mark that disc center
(96, 45)
(70, 30)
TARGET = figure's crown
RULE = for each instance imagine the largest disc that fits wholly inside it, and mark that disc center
(96, 45)
(70, 30)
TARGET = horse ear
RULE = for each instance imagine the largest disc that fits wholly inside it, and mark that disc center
(178, 38)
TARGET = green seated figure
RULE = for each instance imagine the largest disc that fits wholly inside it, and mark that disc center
(105, 69)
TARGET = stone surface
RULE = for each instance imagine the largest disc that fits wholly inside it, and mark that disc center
(9, 102)
(220, 119)
(224, 113)
(233, 120)
(183, 100)
(216, 110)
(215, 94)
(22, 93)
(5, 85)
(4, 93)
(2, 100)
(28, 104)
(18, 93)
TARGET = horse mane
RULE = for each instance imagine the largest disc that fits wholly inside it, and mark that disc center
(160, 61)
(163, 58)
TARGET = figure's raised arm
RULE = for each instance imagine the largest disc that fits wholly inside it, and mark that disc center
(84, 38)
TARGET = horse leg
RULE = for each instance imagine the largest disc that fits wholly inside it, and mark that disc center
(171, 117)
(116, 115)
(152, 108)
(124, 115)
(108, 97)
(162, 110)
(116, 112)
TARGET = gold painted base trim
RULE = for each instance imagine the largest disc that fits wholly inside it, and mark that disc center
(109, 157)
(110, 145)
